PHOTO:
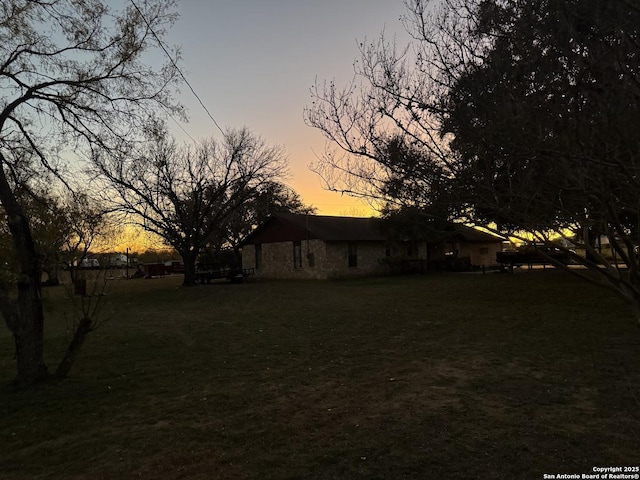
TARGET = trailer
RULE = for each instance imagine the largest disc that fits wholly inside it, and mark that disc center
(234, 275)
(530, 257)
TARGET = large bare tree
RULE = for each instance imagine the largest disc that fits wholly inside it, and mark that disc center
(525, 111)
(73, 79)
(186, 194)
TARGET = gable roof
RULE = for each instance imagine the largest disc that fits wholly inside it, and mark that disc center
(296, 226)
(337, 228)
(282, 227)
(473, 235)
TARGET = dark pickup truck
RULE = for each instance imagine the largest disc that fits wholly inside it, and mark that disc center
(531, 257)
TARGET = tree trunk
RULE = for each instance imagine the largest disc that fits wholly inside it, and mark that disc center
(189, 259)
(238, 255)
(24, 316)
(80, 335)
(28, 333)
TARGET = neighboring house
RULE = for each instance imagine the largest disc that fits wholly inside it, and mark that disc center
(311, 246)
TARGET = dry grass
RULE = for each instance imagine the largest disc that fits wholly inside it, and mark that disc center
(453, 376)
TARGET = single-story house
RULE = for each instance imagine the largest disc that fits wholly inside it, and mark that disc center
(304, 246)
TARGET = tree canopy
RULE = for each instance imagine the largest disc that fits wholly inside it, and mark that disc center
(524, 113)
(73, 80)
(546, 123)
(187, 194)
(545, 127)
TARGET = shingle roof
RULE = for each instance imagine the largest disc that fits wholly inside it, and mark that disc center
(355, 229)
(470, 234)
(334, 229)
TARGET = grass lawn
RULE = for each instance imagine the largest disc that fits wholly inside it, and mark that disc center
(424, 377)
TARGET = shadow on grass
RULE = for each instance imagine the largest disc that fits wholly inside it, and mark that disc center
(450, 376)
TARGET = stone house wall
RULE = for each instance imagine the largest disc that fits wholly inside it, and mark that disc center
(369, 259)
(320, 259)
(480, 253)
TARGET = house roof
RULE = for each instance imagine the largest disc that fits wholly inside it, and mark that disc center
(473, 235)
(294, 226)
(336, 228)
(327, 228)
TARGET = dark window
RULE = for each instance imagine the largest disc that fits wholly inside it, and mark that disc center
(312, 259)
(297, 254)
(258, 256)
(353, 254)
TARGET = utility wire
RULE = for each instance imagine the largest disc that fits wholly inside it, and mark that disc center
(176, 67)
(180, 126)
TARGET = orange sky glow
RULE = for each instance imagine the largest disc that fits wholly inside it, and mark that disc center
(253, 63)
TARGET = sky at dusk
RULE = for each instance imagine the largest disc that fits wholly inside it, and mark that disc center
(253, 62)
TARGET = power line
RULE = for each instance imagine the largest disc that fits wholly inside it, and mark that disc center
(180, 126)
(184, 78)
